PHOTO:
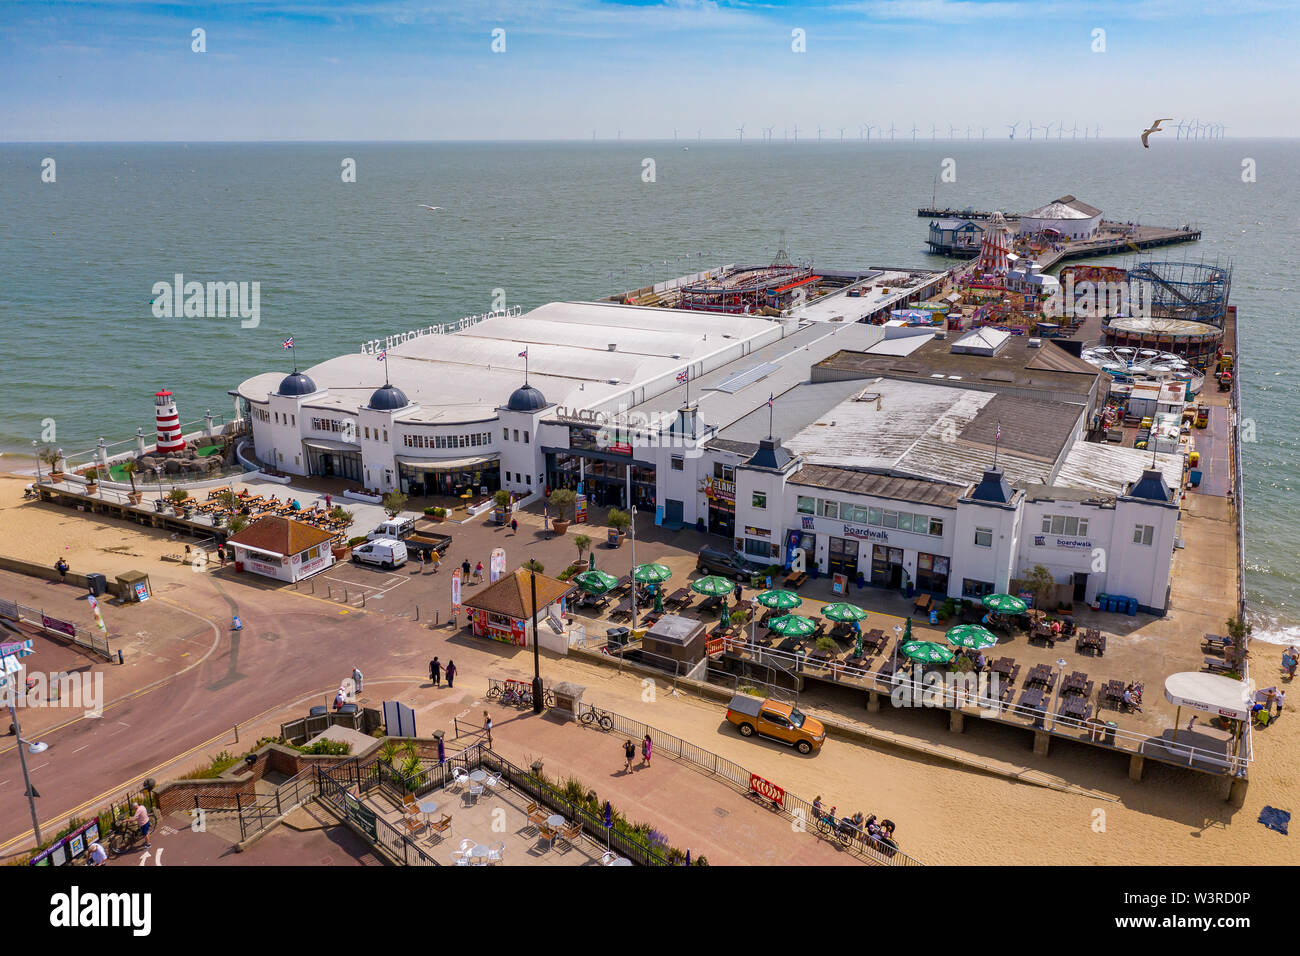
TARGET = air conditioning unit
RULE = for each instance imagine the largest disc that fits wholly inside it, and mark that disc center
(940, 334)
(1035, 343)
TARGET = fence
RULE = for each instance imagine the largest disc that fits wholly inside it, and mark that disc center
(256, 815)
(798, 810)
(53, 627)
(1145, 744)
(333, 786)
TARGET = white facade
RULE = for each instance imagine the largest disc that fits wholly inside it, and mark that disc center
(291, 568)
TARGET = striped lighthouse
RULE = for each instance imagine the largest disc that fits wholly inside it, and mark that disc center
(169, 423)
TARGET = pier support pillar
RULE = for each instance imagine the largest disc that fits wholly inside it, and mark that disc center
(873, 702)
(1135, 764)
(1237, 791)
(1042, 740)
(956, 721)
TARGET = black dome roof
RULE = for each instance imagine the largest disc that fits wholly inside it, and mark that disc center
(388, 398)
(297, 384)
(526, 399)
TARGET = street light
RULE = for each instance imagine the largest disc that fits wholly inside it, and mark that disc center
(34, 747)
(537, 654)
(1060, 663)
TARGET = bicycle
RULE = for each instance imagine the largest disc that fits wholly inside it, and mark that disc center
(126, 833)
(829, 826)
(494, 692)
(593, 716)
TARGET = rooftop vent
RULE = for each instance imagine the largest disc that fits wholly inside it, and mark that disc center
(1035, 343)
(613, 346)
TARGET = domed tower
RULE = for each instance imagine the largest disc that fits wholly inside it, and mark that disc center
(523, 464)
(168, 422)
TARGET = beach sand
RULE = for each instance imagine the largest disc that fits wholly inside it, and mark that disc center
(946, 815)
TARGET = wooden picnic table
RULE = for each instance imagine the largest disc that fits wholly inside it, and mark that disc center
(623, 583)
(623, 608)
(1076, 683)
(922, 604)
(1113, 691)
(887, 669)
(875, 638)
(1040, 674)
(1032, 698)
(793, 581)
(1003, 666)
(1075, 707)
(1091, 639)
(682, 597)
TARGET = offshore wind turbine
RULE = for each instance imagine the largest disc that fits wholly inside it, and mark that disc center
(1012, 127)
(819, 134)
(983, 132)
(741, 130)
(891, 131)
(914, 132)
(952, 129)
(934, 132)
(796, 132)
(1031, 131)
(1060, 130)
(1074, 131)
(968, 129)
(1097, 132)
(841, 134)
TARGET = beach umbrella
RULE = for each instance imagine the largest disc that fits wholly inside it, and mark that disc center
(843, 613)
(927, 652)
(712, 585)
(659, 600)
(609, 823)
(591, 561)
(596, 582)
(651, 573)
(1004, 604)
(725, 617)
(857, 639)
(971, 635)
(779, 600)
(792, 625)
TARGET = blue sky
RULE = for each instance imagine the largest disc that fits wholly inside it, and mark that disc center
(424, 69)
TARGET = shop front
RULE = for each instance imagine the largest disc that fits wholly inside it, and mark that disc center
(886, 566)
(842, 557)
(333, 459)
(448, 478)
(499, 627)
(721, 495)
(931, 573)
(503, 611)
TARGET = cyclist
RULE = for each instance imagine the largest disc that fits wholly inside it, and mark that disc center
(140, 816)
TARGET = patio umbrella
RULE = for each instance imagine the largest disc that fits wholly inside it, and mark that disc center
(651, 573)
(792, 625)
(779, 600)
(659, 600)
(609, 823)
(712, 586)
(927, 652)
(843, 613)
(725, 617)
(1004, 604)
(971, 635)
(596, 582)
(591, 561)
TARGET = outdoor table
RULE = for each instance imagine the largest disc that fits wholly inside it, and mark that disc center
(623, 608)
(1032, 698)
(428, 808)
(1003, 666)
(479, 853)
(680, 596)
(1040, 674)
(622, 861)
(478, 776)
(1076, 683)
(555, 821)
(1075, 707)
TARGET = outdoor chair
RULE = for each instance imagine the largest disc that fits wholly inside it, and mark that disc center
(460, 857)
(493, 781)
(441, 828)
(414, 823)
(571, 834)
(475, 791)
(459, 777)
(546, 833)
(496, 853)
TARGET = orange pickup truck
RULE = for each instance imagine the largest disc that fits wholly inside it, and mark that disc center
(771, 718)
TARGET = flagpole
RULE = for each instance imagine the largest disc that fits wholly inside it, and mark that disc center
(386, 382)
(770, 407)
(997, 438)
(293, 351)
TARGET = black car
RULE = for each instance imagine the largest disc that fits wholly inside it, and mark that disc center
(728, 564)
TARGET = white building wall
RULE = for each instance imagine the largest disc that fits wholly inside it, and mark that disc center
(751, 521)
(1066, 555)
(992, 564)
(1142, 570)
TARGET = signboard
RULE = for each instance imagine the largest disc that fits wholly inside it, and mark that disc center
(840, 583)
(141, 592)
(1069, 544)
(54, 624)
(455, 591)
(16, 648)
(399, 720)
(851, 531)
(580, 507)
(766, 789)
(360, 815)
(496, 564)
(716, 489)
(72, 845)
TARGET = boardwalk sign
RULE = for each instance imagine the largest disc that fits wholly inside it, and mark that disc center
(766, 789)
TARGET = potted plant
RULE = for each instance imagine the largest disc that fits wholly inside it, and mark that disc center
(582, 542)
(178, 497)
(393, 503)
(502, 502)
(92, 480)
(618, 524)
(130, 468)
(826, 648)
(562, 500)
(52, 458)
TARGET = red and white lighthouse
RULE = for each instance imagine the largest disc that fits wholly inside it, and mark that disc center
(169, 423)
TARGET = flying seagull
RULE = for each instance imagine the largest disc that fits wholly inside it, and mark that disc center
(428, 207)
(1155, 128)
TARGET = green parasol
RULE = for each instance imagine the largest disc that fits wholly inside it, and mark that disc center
(591, 561)
(595, 582)
(843, 613)
(971, 635)
(857, 639)
(792, 625)
(713, 586)
(659, 600)
(650, 573)
(927, 652)
(1005, 604)
(779, 600)
(725, 617)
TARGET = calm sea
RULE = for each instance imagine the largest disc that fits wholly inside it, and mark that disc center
(342, 262)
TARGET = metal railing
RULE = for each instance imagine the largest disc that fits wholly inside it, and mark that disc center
(333, 789)
(82, 638)
(1040, 719)
(257, 814)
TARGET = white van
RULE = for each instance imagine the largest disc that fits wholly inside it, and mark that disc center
(386, 552)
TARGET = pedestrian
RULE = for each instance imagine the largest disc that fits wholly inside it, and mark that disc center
(436, 558)
(435, 672)
(1279, 698)
(357, 678)
(221, 553)
(98, 857)
(647, 750)
(736, 593)
(141, 817)
(62, 567)
(419, 559)
(514, 526)
(487, 727)
(340, 699)
(478, 572)
(629, 754)
(451, 673)
(329, 503)
(465, 569)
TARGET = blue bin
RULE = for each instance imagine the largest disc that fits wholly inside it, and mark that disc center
(1132, 607)
(1109, 606)
(1102, 598)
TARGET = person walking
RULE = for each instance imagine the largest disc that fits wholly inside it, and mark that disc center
(141, 817)
(357, 678)
(419, 559)
(451, 673)
(465, 569)
(647, 750)
(629, 754)
(329, 503)
(436, 559)
(435, 672)
(62, 567)
(487, 727)
(478, 573)
(514, 526)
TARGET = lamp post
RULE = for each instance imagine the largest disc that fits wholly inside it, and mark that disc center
(537, 655)
(157, 470)
(1060, 663)
(36, 748)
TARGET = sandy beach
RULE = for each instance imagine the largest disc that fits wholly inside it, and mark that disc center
(946, 815)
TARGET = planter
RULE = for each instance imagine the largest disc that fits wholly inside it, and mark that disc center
(341, 554)
(560, 526)
(135, 497)
(187, 512)
(92, 487)
(178, 510)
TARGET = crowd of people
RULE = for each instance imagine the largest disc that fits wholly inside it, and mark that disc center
(869, 830)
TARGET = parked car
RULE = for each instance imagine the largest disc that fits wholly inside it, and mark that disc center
(772, 718)
(388, 553)
(728, 564)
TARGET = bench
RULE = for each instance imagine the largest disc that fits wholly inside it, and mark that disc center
(922, 604)
(794, 581)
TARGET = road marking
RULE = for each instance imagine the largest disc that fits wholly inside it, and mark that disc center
(81, 748)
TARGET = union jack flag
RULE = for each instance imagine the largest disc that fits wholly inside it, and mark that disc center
(382, 356)
(288, 343)
(683, 377)
(524, 354)
(771, 397)
(998, 437)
